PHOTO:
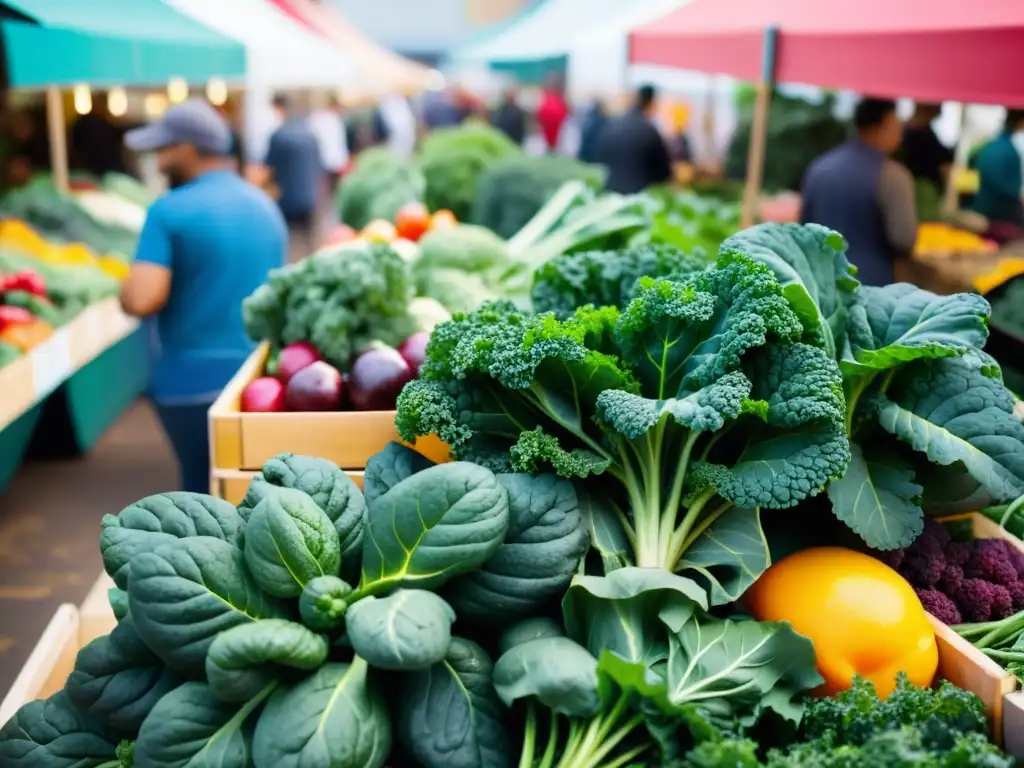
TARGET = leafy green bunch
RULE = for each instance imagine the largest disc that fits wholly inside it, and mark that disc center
(686, 412)
(930, 423)
(381, 182)
(338, 299)
(240, 644)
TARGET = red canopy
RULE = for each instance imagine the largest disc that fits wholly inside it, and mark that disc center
(928, 50)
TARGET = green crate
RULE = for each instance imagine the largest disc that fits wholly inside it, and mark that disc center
(14, 442)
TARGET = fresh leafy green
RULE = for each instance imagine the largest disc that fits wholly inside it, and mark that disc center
(407, 630)
(391, 466)
(52, 733)
(323, 602)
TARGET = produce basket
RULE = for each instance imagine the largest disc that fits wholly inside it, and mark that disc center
(240, 442)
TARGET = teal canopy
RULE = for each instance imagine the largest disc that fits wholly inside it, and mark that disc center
(112, 42)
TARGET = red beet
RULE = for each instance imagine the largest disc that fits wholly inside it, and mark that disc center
(294, 358)
(263, 395)
(377, 377)
(414, 350)
(317, 387)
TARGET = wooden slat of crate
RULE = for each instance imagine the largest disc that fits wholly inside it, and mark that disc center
(95, 616)
(231, 484)
(1013, 724)
(17, 391)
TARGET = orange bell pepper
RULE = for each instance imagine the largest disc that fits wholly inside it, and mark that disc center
(25, 336)
(863, 617)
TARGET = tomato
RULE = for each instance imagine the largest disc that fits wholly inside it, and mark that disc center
(863, 617)
(341, 234)
(442, 219)
(412, 221)
(379, 231)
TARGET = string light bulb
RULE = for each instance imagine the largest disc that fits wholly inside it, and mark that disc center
(177, 90)
(154, 105)
(83, 99)
(217, 91)
(117, 102)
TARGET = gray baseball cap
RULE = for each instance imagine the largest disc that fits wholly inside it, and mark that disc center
(192, 122)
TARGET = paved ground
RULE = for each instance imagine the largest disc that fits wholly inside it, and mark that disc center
(49, 527)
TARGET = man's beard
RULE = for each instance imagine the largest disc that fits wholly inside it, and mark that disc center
(175, 179)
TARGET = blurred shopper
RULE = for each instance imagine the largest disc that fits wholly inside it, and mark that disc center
(510, 118)
(205, 246)
(924, 155)
(328, 125)
(858, 190)
(552, 112)
(440, 109)
(591, 125)
(633, 148)
(400, 124)
(293, 158)
(1001, 175)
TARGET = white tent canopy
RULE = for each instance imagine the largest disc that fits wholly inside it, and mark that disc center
(599, 55)
(541, 33)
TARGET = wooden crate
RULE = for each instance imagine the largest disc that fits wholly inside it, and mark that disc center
(240, 443)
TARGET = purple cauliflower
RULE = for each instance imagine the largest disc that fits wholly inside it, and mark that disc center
(1017, 558)
(1002, 602)
(990, 560)
(958, 552)
(922, 569)
(975, 600)
(952, 579)
(939, 606)
(936, 531)
(893, 557)
(1016, 591)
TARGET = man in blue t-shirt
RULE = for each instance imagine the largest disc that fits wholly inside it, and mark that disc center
(206, 245)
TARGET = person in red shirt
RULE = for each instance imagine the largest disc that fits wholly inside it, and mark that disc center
(552, 112)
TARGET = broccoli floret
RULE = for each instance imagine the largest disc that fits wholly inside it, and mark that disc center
(939, 605)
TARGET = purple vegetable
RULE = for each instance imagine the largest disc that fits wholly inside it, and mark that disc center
(414, 350)
(294, 358)
(263, 395)
(316, 387)
(377, 377)
(939, 606)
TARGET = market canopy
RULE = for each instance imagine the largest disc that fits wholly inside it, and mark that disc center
(536, 38)
(280, 51)
(378, 70)
(112, 42)
(921, 49)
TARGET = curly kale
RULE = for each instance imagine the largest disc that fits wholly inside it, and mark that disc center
(607, 278)
(696, 404)
(339, 300)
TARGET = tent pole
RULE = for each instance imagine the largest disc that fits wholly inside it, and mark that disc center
(58, 138)
(950, 198)
(759, 129)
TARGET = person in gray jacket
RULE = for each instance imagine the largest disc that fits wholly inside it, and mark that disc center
(858, 190)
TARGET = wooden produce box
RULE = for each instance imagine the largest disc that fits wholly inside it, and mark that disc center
(240, 443)
(53, 658)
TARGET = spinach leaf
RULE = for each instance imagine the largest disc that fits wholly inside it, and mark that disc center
(53, 734)
(244, 659)
(117, 679)
(288, 541)
(118, 602)
(607, 528)
(409, 629)
(332, 718)
(160, 519)
(432, 526)
(623, 611)
(557, 671)
(449, 716)
(184, 593)
(391, 466)
(528, 629)
(547, 537)
(192, 728)
(323, 602)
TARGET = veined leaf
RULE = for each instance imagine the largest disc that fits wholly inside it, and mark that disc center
(607, 533)
(408, 629)
(52, 733)
(729, 556)
(391, 466)
(558, 672)
(879, 500)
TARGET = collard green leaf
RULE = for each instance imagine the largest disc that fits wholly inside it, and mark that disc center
(409, 629)
(879, 499)
(729, 556)
(52, 733)
(528, 629)
(547, 536)
(184, 593)
(559, 672)
(738, 668)
(156, 520)
(335, 717)
(449, 716)
(622, 612)
(434, 525)
(953, 413)
(118, 602)
(391, 466)
(899, 323)
(192, 728)
(810, 264)
(117, 679)
(323, 602)
(289, 541)
(244, 659)
(605, 522)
